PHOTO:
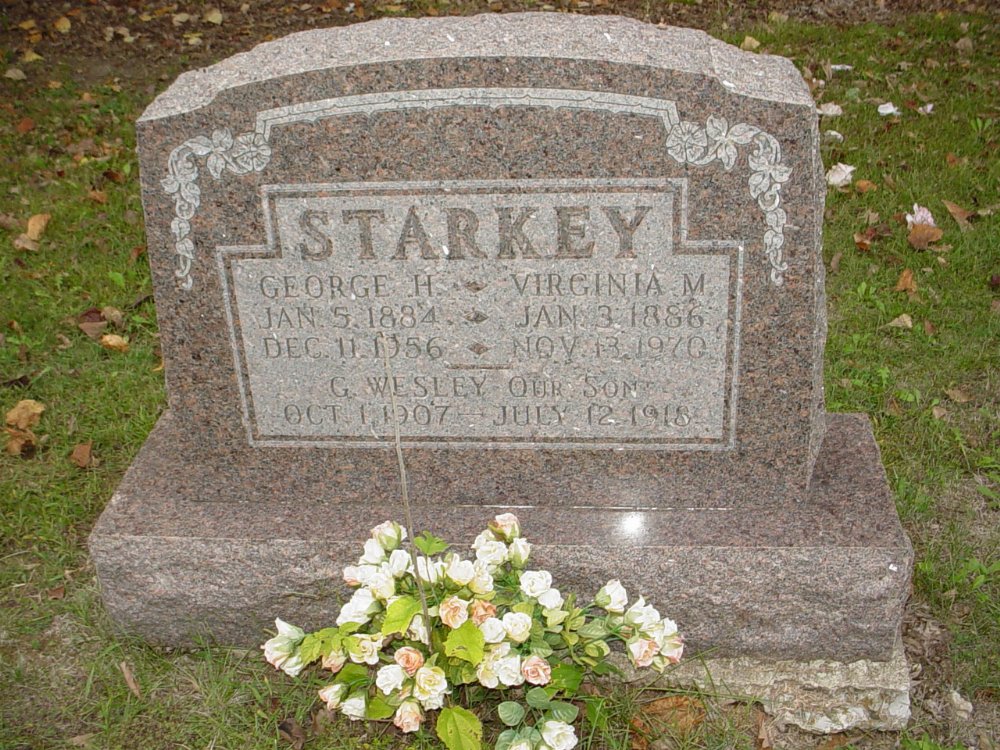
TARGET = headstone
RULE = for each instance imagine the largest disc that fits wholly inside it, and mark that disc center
(583, 254)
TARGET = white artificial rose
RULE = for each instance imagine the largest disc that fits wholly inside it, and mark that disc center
(332, 695)
(354, 707)
(493, 554)
(354, 574)
(389, 678)
(429, 683)
(482, 581)
(335, 660)
(493, 630)
(642, 650)
(508, 670)
(400, 563)
(558, 735)
(365, 650)
(670, 641)
(642, 616)
(486, 670)
(505, 526)
(520, 745)
(408, 716)
(417, 630)
(460, 571)
(535, 582)
(518, 552)
(374, 553)
(359, 609)
(517, 625)
(382, 583)
(483, 538)
(612, 597)
(550, 599)
(389, 535)
(429, 570)
(433, 702)
(280, 651)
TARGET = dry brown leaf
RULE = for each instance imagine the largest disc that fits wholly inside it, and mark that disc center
(98, 196)
(64, 343)
(82, 455)
(130, 679)
(31, 56)
(62, 25)
(24, 242)
(15, 74)
(903, 321)
(57, 592)
(213, 15)
(957, 395)
(865, 186)
(26, 125)
(922, 235)
(929, 328)
(36, 226)
(765, 729)
(25, 414)
(906, 283)
(82, 740)
(113, 315)
(20, 442)
(749, 44)
(953, 160)
(833, 742)
(835, 262)
(678, 714)
(939, 412)
(964, 46)
(10, 222)
(960, 215)
(114, 342)
(291, 731)
(94, 329)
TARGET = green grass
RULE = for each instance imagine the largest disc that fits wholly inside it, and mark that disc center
(59, 660)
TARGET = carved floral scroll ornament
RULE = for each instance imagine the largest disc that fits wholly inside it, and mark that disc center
(686, 143)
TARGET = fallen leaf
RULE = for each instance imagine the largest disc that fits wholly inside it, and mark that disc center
(957, 395)
(829, 109)
(180, 18)
(906, 283)
(922, 235)
(291, 731)
(31, 56)
(749, 44)
(888, 109)
(27, 25)
(9, 222)
(62, 25)
(839, 175)
(36, 226)
(929, 328)
(903, 321)
(939, 412)
(26, 125)
(994, 282)
(865, 186)
(64, 343)
(114, 342)
(834, 741)
(954, 161)
(835, 262)
(136, 252)
(56, 593)
(130, 679)
(82, 455)
(964, 46)
(82, 740)
(863, 240)
(113, 315)
(114, 176)
(15, 74)
(25, 414)
(213, 15)
(93, 329)
(98, 196)
(765, 729)
(960, 215)
(23, 242)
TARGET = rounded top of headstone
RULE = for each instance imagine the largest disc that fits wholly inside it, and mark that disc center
(551, 35)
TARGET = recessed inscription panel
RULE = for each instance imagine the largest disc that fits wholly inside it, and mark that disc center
(568, 314)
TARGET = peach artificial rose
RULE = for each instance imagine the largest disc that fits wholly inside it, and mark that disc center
(536, 670)
(409, 659)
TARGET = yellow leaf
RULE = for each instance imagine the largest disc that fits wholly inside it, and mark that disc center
(903, 321)
(36, 225)
(62, 25)
(213, 15)
(27, 25)
(31, 56)
(25, 414)
(749, 43)
(114, 342)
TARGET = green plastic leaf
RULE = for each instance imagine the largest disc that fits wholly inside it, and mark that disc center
(459, 729)
(595, 712)
(505, 740)
(593, 630)
(603, 668)
(399, 614)
(566, 677)
(466, 643)
(527, 608)
(511, 713)
(430, 544)
(318, 644)
(537, 698)
(379, 708)
(352, 674)
(562, 711)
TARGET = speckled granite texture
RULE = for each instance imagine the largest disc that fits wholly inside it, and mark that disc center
(309, 163)
(826, 578)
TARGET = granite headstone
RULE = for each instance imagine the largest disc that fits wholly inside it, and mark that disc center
(585, 254)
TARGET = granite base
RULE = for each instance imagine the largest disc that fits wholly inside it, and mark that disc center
(825, 578)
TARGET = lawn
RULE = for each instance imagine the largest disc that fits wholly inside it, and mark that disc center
(914, 341)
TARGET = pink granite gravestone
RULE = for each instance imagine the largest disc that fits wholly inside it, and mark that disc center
(583, 251)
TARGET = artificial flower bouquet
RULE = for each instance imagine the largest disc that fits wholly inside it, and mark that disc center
(424, 622)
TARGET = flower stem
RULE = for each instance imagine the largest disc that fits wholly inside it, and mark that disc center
(406, 492)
